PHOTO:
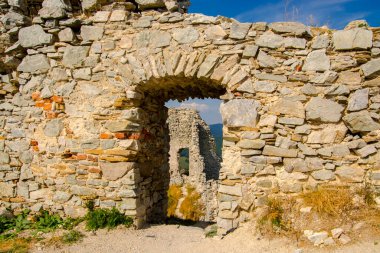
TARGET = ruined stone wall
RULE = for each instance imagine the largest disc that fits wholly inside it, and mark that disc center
(82, 111)
(188, 130)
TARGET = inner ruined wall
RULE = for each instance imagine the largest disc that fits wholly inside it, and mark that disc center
(188, 130)
(82, 111)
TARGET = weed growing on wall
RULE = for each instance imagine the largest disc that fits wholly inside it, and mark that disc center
(174, 195)
(191, 207)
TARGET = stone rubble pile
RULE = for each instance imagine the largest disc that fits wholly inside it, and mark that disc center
(82, 111)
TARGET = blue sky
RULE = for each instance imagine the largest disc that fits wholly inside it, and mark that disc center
(335, 14)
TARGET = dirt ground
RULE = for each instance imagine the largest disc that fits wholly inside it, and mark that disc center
(182, 239)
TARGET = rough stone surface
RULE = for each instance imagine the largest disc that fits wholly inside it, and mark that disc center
(34, 35)
(352, 39)
(317, 61)
(323, 110)
(53, 128)
(289, 107)
(186, 35)
(371, 68)
(359, 122)
(358, 100)
(33, 63)
(114, 171)
(239, 30)
(240, 112)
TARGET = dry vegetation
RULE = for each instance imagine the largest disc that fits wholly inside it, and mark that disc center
(174, 194)
(191, 207)
(331, 207)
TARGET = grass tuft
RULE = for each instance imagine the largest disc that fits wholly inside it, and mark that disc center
(330, 201)
(106, 218)
(72, 236)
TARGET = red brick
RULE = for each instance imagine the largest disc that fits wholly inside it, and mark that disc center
(33, 143)
(121, 136)
(57, 99)
(40, 104)
(36, 96)
(81, 157)
(105, 136)
(48, 106)
(51, 115)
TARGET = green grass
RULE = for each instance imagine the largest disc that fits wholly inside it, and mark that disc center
(106, 218)
(72, 236)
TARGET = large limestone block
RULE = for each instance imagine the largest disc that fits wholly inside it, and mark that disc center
(251, 144)
(361, 122)
(63, 4)
(159, 39)
(186, 35)
(358, 100)
(215, 32)
(328, 135)
(91, 33)
(66, 35)
(52, 13)
(293, 28)
(323, 110)
(208, 65)
(270, 40)
(122, 126)
(147, 4)
(73, 56)
(33, 36)
(12, 19)
(288, 107)
(231, 190)
(239, 30)
(317, 61)
(6, 190)
(53, 128)
(83, 191)
(280, 152)
(88, 5)
(33, 63)
(115, 171)
(357, 38)
(350, 174)
(371, 68)
(240, 112)
(266, 61)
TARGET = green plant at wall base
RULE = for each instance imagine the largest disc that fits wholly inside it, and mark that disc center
(105, 218)
(47, 222)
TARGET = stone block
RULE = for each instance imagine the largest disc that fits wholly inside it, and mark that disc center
(115, 171)
(357, 38)
(240, 113)
(280, 152)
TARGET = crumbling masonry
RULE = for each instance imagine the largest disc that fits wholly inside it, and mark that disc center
(188, 130)
(82, 111)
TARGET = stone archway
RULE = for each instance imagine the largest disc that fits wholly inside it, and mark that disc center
(82, 107)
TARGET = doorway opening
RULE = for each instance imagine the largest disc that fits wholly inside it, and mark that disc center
(179, 135)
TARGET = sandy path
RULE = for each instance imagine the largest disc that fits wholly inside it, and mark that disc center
(175, 239)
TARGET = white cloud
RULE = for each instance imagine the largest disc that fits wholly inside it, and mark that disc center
(195, 106)
(313, 12)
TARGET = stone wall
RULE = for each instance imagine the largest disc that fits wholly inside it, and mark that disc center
(188, 130)
(82, 111)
